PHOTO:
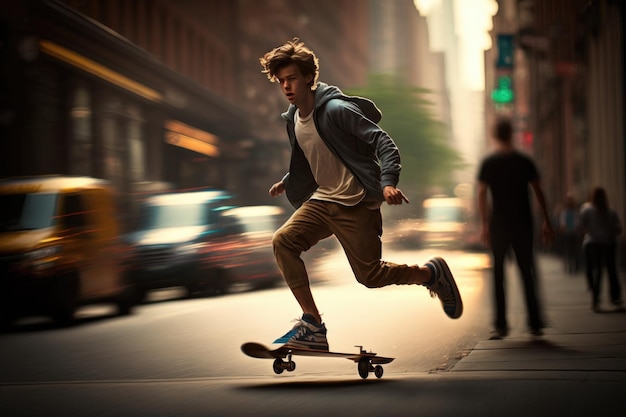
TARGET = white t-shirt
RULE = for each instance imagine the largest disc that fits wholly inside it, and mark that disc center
(336, 182)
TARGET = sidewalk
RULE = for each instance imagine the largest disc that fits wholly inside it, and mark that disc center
(580, 362)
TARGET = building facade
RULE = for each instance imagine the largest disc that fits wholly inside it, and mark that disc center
(568, 81)
(80, 98)
(165, 94)
(159, 94)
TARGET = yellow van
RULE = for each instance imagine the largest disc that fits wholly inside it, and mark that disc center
(60, 248)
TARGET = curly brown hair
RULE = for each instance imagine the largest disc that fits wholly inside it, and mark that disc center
(292, 52)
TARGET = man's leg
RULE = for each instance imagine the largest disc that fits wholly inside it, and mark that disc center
(500, 241)
(304, 229)
(307, 303)
(523, 247)
(358, 229)
(499, 322)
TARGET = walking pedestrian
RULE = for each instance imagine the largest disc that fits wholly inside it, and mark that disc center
(508, 224)
(570, 234)
(343, 167)
(601, 227)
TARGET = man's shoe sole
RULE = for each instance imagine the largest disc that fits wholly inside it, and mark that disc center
(447, 274)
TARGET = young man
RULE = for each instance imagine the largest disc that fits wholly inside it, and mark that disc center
(343, 166)
(508, 173)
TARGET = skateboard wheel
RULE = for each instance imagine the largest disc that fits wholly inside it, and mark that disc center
(364, 367)
(278, 366)
(378, 371)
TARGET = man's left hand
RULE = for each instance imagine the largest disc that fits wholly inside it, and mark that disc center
(393, 195)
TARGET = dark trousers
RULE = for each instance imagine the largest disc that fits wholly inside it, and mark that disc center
(571, 252)
(519, 239)
(597, 257)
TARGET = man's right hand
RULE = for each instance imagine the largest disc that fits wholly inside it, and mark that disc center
(277, 189)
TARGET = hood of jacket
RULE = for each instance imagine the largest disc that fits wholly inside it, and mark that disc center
(325, 92)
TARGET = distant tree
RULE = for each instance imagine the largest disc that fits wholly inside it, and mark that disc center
(428, 160)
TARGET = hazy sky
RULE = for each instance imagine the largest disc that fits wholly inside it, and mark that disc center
(472, 22)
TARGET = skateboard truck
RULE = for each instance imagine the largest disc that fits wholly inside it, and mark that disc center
(281, 365)
(364, 365)
(364, 351)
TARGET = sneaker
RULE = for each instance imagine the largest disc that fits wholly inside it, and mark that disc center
(499, 333)
(305, 334)
(536, 331)
(595, 306)
(445, 288)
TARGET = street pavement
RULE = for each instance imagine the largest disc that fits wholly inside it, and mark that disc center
(578, 368)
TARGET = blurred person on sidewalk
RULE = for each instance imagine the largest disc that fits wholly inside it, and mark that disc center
(601, 227)
(570, 234)
(507, 174)
(343, 166)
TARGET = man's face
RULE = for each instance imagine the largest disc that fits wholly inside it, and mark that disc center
(293, 84)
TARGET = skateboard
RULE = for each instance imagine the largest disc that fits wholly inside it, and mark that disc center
(366, 361)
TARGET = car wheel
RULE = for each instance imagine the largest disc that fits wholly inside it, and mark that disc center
(223, 282)
(64, 301)
(126, 301)
(7, 314)
(218, 284)
(139, 295)
(6, 321)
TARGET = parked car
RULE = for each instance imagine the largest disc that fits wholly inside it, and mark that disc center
(198, 241)
(60, 248)
(242, 252)
(168, 246)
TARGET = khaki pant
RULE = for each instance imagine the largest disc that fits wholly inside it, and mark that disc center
(357, 228)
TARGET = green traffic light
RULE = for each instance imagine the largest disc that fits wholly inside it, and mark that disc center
(502, 96)
(503, 93)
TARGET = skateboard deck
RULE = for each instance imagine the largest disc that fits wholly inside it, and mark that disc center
(366, 361)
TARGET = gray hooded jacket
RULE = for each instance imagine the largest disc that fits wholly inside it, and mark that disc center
(348, 126)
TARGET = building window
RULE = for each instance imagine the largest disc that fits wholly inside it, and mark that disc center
(136, 144)
(113, 141)
(81, 134)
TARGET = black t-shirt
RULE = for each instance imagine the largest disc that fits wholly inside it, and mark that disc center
(508, 175)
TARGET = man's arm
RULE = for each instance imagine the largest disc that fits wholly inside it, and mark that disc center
(350, 118)
(548, 231)
(483, 210)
